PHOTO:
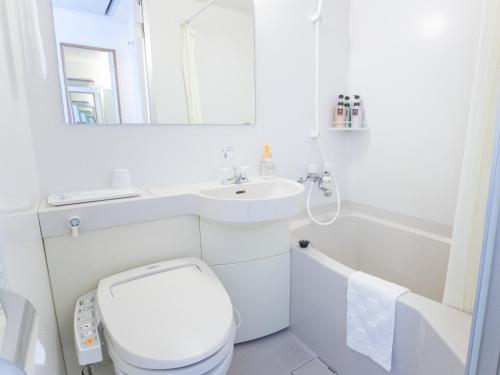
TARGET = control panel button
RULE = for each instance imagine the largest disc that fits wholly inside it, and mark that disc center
(87, 333)
(86, 322)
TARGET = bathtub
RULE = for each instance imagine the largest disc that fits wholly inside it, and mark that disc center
(430, 338)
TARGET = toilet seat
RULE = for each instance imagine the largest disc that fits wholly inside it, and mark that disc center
(170, 317)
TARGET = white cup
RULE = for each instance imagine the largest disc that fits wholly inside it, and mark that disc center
(121, 179)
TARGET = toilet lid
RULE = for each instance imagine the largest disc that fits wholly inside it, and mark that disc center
(167, 315)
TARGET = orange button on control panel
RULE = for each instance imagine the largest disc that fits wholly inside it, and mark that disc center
(89, 341)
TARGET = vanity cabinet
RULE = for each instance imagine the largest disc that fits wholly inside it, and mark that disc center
(252, 260)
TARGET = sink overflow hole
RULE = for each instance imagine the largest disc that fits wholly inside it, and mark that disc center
(240, 192)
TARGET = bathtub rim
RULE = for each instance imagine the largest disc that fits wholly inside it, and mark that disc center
(451, 325)
(300, 222)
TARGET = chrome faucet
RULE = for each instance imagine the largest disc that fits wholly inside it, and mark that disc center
(235, 175)
(238, 176)
(323, 179)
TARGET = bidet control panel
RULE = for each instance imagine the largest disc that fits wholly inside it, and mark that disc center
(86, 335)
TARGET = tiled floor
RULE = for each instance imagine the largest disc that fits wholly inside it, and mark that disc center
(279, 354)
(315, 367)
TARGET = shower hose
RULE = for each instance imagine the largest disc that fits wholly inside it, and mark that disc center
(316, 19)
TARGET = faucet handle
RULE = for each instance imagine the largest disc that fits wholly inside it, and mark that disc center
(74, 223)
(226, 174)
(243, 171)
(313, 168)
(228, 153)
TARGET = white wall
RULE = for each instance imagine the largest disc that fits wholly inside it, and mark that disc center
(23, 268)
(224, 57)
(413, 63)
(112, 33)
(76, 157)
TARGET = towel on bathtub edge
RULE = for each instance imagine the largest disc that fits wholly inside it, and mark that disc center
(371, 316)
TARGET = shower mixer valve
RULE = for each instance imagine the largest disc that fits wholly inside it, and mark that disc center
(323, 179)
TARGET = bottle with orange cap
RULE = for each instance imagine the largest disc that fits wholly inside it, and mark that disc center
(267, 166)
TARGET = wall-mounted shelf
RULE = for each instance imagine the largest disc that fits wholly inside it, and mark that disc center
(364, 128)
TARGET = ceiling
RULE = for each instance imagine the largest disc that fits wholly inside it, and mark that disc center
(88, 6)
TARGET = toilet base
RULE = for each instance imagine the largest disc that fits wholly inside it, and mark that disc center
(221, 369)
(217, 364)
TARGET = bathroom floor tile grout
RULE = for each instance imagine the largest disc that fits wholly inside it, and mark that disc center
(309, 363)
(280, 353)
(304, 364)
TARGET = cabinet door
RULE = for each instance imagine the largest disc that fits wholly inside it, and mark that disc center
(260, 291)
(224, 243)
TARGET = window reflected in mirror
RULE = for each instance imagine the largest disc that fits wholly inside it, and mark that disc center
(156, 61)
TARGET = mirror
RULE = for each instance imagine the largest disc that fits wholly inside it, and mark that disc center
(156, 61)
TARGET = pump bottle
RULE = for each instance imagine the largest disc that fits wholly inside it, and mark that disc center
(267, 166)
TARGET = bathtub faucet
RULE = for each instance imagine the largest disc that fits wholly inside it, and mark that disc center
(323, 179)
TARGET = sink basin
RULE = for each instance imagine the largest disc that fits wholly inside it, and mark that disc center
(273, 189)
(260, 200)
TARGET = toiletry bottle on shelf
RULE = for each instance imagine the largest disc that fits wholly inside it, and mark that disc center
(347, 106)
(339, 118)
(357, 113)
(267, 166)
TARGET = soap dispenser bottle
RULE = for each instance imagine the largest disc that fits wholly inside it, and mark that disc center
(339, 118)
(347, 106)
(267, 166)
(357, 113)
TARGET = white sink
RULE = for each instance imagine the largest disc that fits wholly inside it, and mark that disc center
(267, 189)
(260, 200)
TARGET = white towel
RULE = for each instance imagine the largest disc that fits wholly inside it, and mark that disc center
(371, 316)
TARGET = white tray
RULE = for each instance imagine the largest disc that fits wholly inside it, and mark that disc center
(63, 199)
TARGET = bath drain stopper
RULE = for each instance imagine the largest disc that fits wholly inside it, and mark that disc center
(304, 244)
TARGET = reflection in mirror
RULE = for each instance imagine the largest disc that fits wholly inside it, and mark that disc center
(156, 61)
(91, 85)
(211, 55)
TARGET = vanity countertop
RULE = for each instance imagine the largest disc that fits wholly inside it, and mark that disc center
(162, 202)
(110, 213)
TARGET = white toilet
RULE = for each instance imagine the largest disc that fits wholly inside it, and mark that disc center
(173, 317)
